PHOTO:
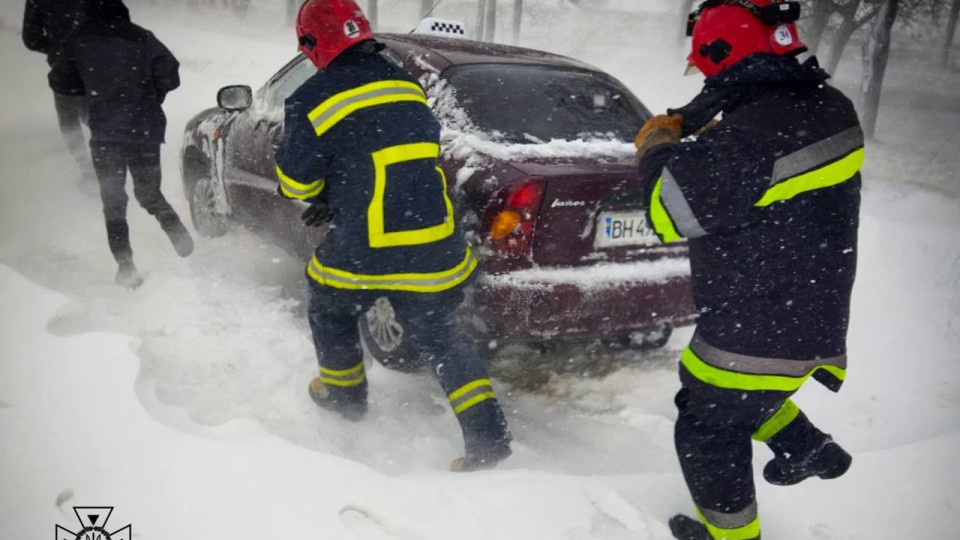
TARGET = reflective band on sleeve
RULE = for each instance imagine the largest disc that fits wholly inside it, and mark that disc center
(376, 228)
(346, 377)
(827, 163)
(424, 283)
(744, 525)
(471, 394)
(660, 218)
(780, 419)
(296, 190)
(342, 105)
(740, 372)
(677, 206)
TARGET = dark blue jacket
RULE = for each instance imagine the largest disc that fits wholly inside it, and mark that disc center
(124, 72)
(361, 135)
(769, 201)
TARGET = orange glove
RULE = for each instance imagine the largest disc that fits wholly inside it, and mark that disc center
(659, 130)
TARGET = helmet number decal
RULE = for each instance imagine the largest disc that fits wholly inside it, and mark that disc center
(351, 29)
(783, 36)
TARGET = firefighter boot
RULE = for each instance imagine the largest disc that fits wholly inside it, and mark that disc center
(828, 461)
(486, 436)
(350, 403)
(178, 234)
(686, 528)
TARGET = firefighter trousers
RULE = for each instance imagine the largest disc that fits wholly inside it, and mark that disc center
(429, 329)
(714, 433)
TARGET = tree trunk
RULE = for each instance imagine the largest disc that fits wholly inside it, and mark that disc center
(817, 24)
(841, 37)
(293, 6)
(517, 20)
(425, 7)
(490, 26)
(373, 13)
(875, 57)
(481, 19)
(686, 8)
(951, 32)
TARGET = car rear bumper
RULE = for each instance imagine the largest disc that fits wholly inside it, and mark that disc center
(600, 301)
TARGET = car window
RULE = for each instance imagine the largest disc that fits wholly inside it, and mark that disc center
(286, 82)
(532, 104)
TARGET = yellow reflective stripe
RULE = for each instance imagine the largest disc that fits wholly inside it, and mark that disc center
(747, 532)
(747, 381)
(344, 377)
(463, 390)
(424, 283)
(835, 173)
(345, 383)
(781, 419)
(296, 190)
(473, 401)
(378, 237)
(662, 224)
(342, 105)
(356, 369)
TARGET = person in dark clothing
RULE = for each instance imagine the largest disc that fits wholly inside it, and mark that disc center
(46, 25)
(768, 200)
(361, 146)
(125, 74)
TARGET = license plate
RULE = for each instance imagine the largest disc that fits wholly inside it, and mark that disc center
(618, 229)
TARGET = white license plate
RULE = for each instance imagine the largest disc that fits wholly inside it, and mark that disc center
(617, 229)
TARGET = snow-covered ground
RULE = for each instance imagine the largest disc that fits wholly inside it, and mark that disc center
(183, 403)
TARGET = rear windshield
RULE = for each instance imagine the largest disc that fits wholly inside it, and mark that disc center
(534, 104)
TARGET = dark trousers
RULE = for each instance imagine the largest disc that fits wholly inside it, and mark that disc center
(431, 330)
(111, 162)
(71, 115)
(714, 432)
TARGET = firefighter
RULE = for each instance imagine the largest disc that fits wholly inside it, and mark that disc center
(125, 72)
(361, 146)
(768, 200)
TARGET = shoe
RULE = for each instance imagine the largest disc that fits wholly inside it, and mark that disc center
(828, 462)
(128, 276)
(484, 459)
(178, 234)
(686, 528)
(354, 411)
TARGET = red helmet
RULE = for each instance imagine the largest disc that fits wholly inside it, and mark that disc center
(326, 28)
(727, 31)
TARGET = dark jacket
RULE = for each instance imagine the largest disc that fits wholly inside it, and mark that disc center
(769, 200)
(360, 134)
(48, 23)
(123, 70)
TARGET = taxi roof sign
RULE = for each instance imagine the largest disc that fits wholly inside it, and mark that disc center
(432, 26)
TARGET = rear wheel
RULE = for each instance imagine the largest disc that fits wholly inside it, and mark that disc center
(207, 220)
(382, 336)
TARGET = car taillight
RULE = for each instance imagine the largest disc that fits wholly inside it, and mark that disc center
(511, 229)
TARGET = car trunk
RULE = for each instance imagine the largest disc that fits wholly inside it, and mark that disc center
(591, 213)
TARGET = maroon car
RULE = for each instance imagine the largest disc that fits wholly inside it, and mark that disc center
(540, 149)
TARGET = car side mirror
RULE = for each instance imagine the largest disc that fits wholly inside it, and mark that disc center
(235, 98)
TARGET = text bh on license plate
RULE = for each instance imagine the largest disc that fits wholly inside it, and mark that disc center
(618, 229)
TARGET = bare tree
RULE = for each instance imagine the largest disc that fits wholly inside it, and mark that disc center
(373, 13)
(686, 8)
(951, 33)
(875, 57)
(517, 20)
(426, 6)
(490, 26)
(481, 19)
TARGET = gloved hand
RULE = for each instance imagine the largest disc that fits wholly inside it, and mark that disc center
(659, 130)
(317, 215)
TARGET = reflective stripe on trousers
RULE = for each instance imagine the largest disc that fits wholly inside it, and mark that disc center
(741, 372)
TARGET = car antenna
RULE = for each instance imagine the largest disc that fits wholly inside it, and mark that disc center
(427, 14)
